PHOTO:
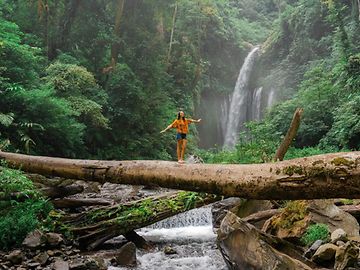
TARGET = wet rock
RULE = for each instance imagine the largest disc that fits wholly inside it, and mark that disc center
(311, 251)
(60, 264)
(15, 257)
(77, 264)
(347, 256)
(33, 265)
(100, 262)
(243, 246)
(325, 253)
(41, 258)
(338, 235)
(54, 239)
(218, 210)
(126, 255)
(169, 250)
(34, 240)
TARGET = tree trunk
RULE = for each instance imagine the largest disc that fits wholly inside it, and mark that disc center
(115, 46)
(290, 135)
(75, 202)
(94, 227)
(335, 175)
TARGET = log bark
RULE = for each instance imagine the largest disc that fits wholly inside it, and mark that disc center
(290, 135)
(74, 202)
(61, 192)
(94, 227)
(324, 176)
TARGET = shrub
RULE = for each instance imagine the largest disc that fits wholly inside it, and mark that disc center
(315, 232)
(19, 217)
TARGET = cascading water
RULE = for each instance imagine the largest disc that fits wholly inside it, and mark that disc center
(256, 108)
(238, 108)
(190, 234)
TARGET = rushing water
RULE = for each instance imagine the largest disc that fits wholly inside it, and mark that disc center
(190, 234)
(240, 101)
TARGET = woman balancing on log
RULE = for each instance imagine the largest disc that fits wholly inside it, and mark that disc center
(182, 127)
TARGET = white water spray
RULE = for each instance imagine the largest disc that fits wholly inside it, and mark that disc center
(238, 109)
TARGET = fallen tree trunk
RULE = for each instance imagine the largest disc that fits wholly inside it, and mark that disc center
(323, 176)
(78, 202)
(94, 227)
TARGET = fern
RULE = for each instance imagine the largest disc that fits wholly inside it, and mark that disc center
(6, 119)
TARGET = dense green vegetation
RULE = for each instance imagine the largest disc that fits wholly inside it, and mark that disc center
(26, 207)
(101, 78)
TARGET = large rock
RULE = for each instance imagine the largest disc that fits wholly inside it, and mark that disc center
(244, 247)
(126, 256)
(338, 235)
(325, 211)
(347, 256)
(325, 253)
(292, 222)
(220, 208)
(54, 239)
(34, 240)
(60, 264)
(41, 258)
(240, 207)
(15, 257)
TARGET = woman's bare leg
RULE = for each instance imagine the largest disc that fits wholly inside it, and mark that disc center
(178, 149)
(183, 149)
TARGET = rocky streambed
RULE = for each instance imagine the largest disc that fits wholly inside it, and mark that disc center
(230, 234)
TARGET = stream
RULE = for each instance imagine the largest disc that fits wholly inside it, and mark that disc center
(190, 234)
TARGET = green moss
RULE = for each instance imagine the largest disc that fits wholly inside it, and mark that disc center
(340, 161)
(291, 170)
(294, 212)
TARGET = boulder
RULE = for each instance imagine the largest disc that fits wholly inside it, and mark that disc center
(292, 222)
(126, 255)
(325, 253)
(41, 258)
(325, 211)
(54, 239)
(338, 235)
(60, 264)
(220, 208)
(347, 256)
(34, 240)
(244, 247)
(15, 257)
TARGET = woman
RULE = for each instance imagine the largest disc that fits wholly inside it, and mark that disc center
(182, 127)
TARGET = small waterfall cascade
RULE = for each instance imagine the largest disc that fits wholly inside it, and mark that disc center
(256, 107)
(190, 234)
(195, 217)
(238, 111)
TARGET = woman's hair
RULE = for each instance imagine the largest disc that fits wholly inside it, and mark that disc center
(178, 117)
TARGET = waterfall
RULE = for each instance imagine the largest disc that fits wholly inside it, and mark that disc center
(271, 97)
(256, 108)
(239, 102)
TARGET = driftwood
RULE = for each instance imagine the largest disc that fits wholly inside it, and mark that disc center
(94, 227)
(325, 176)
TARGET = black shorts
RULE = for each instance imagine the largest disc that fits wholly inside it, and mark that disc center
(181, 136)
